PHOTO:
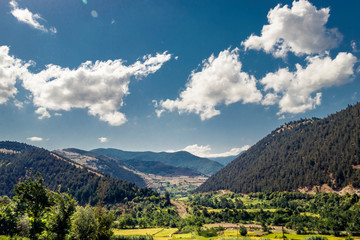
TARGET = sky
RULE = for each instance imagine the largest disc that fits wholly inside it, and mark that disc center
(209, 77)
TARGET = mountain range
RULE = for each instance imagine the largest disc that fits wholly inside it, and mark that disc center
(136, 171)
(180, 159)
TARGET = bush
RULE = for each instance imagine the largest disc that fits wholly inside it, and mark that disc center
(140, 237)
(315, 238)
(243, 230)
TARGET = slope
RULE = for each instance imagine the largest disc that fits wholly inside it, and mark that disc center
(18, 160)
(161, 169)
(225, 160)
(179, 159)
(114, 168)
(305, 153)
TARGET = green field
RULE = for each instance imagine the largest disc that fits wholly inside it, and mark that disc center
(13, 238)
(170, 233)
(157, 233)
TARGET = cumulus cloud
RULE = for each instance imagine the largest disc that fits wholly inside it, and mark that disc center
(205, 151)
(220, 81)
(296, 92)
(29, 18)
(300, 29)
(10, 69)
(103, 139)
(100, 86)
(35, 139)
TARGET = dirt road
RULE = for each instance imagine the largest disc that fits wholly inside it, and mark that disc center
(181, 208)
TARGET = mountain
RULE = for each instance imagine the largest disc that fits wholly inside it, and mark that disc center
(104, 164)
(179, 159)
(161, 169)
(305, 153)
(18, 160)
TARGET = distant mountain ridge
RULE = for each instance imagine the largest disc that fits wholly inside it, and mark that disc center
(300, 154)
(179, 159)
(161, 169)
(18, 160)
(128, 170)
(114, 168)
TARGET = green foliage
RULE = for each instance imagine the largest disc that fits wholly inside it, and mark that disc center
(59, 219)
(315, 238)
(162, 169)
(141, 237)
(33, 199)
(61, 174)
(8, 217)
(41, 214)
(243, 230)
(326, 213)
(308, 152)
(84, 224)
(209, 232)
(105, 220)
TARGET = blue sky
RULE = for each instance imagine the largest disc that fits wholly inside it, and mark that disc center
(210, 77)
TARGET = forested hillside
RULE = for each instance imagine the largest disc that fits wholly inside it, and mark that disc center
(179, 159)
(308, 152)
(19, 160)
(161, 169)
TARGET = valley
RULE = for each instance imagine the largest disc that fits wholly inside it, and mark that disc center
(147, 199)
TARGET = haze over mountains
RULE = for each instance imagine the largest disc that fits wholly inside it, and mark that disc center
(300, 154)
(179, 159)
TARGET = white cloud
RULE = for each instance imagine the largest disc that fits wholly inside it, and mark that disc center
(29, 18)
(270, 99)
(220, 81)
(354, 46)
(35, 139)
(205, 151)
(10, 69)
(94, 14)
(100, 86)
(299, 29)
(103, 139)
(296, 89)
(18, 104)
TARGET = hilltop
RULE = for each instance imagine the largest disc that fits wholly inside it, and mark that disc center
(304, 154)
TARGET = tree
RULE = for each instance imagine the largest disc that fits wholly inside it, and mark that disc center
(104, 219)
(243, 230)
(33, 199)
(84, 225)
(8, 217)
(60, 218)
(167, 199)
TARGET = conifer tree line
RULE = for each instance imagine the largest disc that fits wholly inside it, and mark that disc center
(303, 153)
